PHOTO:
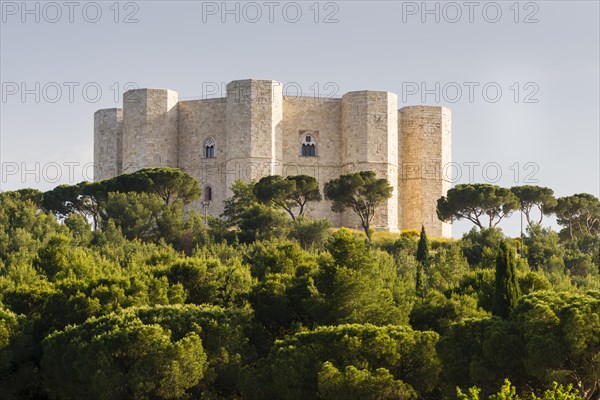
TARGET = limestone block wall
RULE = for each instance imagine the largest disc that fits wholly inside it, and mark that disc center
(322, 119)
(199, 121)
(425, 147)
(370, 142)
(108, 142)
(254, 112)
(150, 129)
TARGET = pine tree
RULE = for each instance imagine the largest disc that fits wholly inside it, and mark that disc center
(507, 288)
(422, 259)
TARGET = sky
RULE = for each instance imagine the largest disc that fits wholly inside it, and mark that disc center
(521, 78)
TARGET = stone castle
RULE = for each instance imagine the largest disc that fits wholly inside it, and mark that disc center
(256, 131)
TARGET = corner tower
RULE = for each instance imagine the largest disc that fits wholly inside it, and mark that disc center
(150, 121)
(108, 142)
(425, 148)
(254, 111)
(370, 142)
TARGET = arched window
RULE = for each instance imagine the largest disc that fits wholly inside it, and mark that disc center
(209, 148)
(208, 193)
(309, 146)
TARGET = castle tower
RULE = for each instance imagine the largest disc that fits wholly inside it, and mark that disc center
(254, 112)
(108, 137)
(150, 120)
(370, 142)
(425, 148)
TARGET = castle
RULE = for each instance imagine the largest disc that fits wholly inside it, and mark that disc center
(256, 131)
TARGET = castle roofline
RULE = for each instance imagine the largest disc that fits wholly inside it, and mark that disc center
(151, 90)
(108, 109)
(369, 91)
(425, 107)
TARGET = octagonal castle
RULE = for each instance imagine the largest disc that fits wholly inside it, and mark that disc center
(256, 131)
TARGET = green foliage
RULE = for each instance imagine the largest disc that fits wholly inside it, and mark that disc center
(561, 332)
(555, 334)
(261, 222)
(509, 392)
(310, 232)
(144, 216)
(24, 195)
(121, 357)
(116, 289)
(437, 313)
(210, 281)
(288, 192)
(535, 196)
(579, 214)
(357, 285)
(423, 248)
(543, 250)
(170, 184)
(507, 288)
(241, 199)
(479, 247)
(360, 192)
(293, 366)
(559, 392)
(361, 384)
(471, 201)
(423, 259)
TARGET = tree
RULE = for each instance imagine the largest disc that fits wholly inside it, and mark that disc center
(261, 222)
(144, 216)
(360, 192)
(480, 246)
(310, 232)
(579, 214)
(423, 259)
(472, 201)
(544, 251)
(291, 371)
(509, 392)
(243, 197)
(170, 184)
(535, 196)
(120, 357)
(423, 247)
(561, 334)
(33, 195)
(90, 199)
(356, 284)
(288, 192)
(507, 287)
(361, 384)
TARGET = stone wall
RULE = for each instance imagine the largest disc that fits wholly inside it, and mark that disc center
(321, 118)
(254, 113)
(108, 143)
(370, 142)
(150, 129)
(425, 147)
(199, 121)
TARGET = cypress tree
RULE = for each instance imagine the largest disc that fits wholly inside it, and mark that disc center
(423, 248)
(422, 259)
(507, 288)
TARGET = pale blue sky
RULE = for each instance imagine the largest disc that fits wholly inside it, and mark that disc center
(186, 46)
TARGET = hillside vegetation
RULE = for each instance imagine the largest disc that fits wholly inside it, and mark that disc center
(117, 290)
